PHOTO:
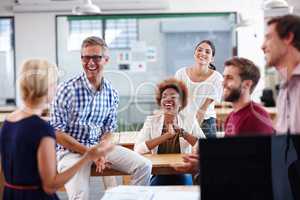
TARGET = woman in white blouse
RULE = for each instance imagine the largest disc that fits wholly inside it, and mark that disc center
(205, 88)
(164, 131)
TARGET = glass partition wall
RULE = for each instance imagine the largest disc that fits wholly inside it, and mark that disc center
(144, 49)
(7, 62)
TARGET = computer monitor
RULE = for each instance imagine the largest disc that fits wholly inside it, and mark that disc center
(236, 168)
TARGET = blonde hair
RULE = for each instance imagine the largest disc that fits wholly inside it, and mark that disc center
(35, 78)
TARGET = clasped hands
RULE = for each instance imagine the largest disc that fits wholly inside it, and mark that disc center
(98, 153)
(172, 130)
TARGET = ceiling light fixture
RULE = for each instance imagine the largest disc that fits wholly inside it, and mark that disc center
(273, 4)
(273, 8)
(243, 22)
(87, 8)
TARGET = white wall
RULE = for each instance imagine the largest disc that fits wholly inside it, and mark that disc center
(35, 36)
(35, 32)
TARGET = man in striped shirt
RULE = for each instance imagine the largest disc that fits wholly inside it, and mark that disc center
(282, 50)
(84, 113)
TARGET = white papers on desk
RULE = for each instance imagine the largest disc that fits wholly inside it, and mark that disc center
(176, 195)
(128, 193)
(147, 193)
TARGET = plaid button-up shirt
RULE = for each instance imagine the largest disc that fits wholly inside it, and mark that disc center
(82, 112)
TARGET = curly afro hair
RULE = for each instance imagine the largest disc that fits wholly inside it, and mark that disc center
(177, 85)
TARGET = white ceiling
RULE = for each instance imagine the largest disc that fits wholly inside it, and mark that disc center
(9, 3)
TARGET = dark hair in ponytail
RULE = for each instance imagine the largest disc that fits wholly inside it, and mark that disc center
(212, 66)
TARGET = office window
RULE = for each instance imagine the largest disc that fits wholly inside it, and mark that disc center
(7, 53)
(5, 34)
(119, 33)
(80, 29)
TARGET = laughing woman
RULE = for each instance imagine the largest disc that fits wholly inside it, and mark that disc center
(164, 133)
(205, 88)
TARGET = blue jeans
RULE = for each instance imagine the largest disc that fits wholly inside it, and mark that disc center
(209, 127)
(176, 179)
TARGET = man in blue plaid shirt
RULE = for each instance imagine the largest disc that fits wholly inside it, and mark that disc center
(84, 112)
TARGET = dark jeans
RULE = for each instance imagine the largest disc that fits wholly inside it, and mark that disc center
(176, 179)
(209, 127)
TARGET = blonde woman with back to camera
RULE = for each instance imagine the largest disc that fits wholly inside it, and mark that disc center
(27, 142)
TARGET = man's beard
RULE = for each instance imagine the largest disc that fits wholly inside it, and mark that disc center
(234, 95)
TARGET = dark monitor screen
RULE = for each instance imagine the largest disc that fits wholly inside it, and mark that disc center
(236, 168)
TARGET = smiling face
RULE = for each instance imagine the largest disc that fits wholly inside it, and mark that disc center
(170, 101)
(203, 54)
(232, 84)
(93, 59)
(273, 47)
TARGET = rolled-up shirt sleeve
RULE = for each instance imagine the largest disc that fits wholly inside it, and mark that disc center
(60, 108)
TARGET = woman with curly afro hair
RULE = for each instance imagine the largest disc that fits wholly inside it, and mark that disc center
(164, 132)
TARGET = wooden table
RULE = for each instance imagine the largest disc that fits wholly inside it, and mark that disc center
(161, 164)
(126, 138)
